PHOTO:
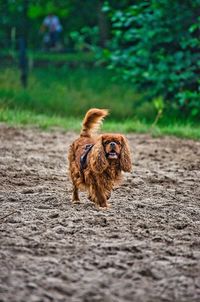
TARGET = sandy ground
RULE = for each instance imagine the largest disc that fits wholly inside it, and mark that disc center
(145, 248)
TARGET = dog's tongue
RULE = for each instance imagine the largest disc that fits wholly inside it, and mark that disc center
(112, 155)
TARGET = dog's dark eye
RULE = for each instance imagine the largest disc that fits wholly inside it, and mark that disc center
(118, 143)
(106, 143)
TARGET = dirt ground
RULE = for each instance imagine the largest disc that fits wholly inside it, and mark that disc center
(145, 248)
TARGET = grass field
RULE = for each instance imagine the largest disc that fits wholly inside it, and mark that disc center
(67, 92)
(59, 97)
(29, 118)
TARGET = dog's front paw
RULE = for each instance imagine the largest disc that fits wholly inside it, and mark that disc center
(77, 201)
(104, 207)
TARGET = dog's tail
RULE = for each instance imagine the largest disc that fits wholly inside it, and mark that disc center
(92, 121)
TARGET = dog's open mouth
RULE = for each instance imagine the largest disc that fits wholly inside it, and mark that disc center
(112, 155)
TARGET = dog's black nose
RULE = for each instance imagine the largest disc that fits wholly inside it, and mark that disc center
(112, 144)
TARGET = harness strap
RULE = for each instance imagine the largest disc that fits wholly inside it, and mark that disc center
(83, 159)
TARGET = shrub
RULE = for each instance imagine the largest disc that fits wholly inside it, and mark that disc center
(156, 46)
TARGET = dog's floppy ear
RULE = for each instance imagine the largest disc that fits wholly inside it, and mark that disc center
(125, 158)
(98, 159)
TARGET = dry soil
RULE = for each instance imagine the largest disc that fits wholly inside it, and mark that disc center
(145, 248)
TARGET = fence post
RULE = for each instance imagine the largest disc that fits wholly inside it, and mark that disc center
(23, 63)
(23, 40)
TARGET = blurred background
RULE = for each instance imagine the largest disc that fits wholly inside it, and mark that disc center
(140, 59)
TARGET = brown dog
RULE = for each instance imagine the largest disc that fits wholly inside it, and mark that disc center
(96, 162)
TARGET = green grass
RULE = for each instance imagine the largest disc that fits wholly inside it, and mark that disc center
(59, 97)
(28, 118)
(86, 57)
(67, 92)
(63, 57)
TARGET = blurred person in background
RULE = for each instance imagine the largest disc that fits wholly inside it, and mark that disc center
(52, 28)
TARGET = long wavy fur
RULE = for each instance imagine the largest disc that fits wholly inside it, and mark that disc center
(92, 121)
(101, 172)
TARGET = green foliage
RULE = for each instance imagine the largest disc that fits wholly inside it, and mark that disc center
(159, 104)
(156, 46)
(85, 39)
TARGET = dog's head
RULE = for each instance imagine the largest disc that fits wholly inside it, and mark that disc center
(109, 148)
(112, 146)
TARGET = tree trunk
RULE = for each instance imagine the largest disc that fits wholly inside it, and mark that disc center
(103, 24)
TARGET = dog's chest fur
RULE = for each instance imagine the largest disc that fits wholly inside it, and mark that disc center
(113, 171)
(112, 176)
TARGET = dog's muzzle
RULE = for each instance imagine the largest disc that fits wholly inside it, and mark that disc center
(112, 154)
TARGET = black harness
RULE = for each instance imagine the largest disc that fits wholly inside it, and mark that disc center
(83, 159)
